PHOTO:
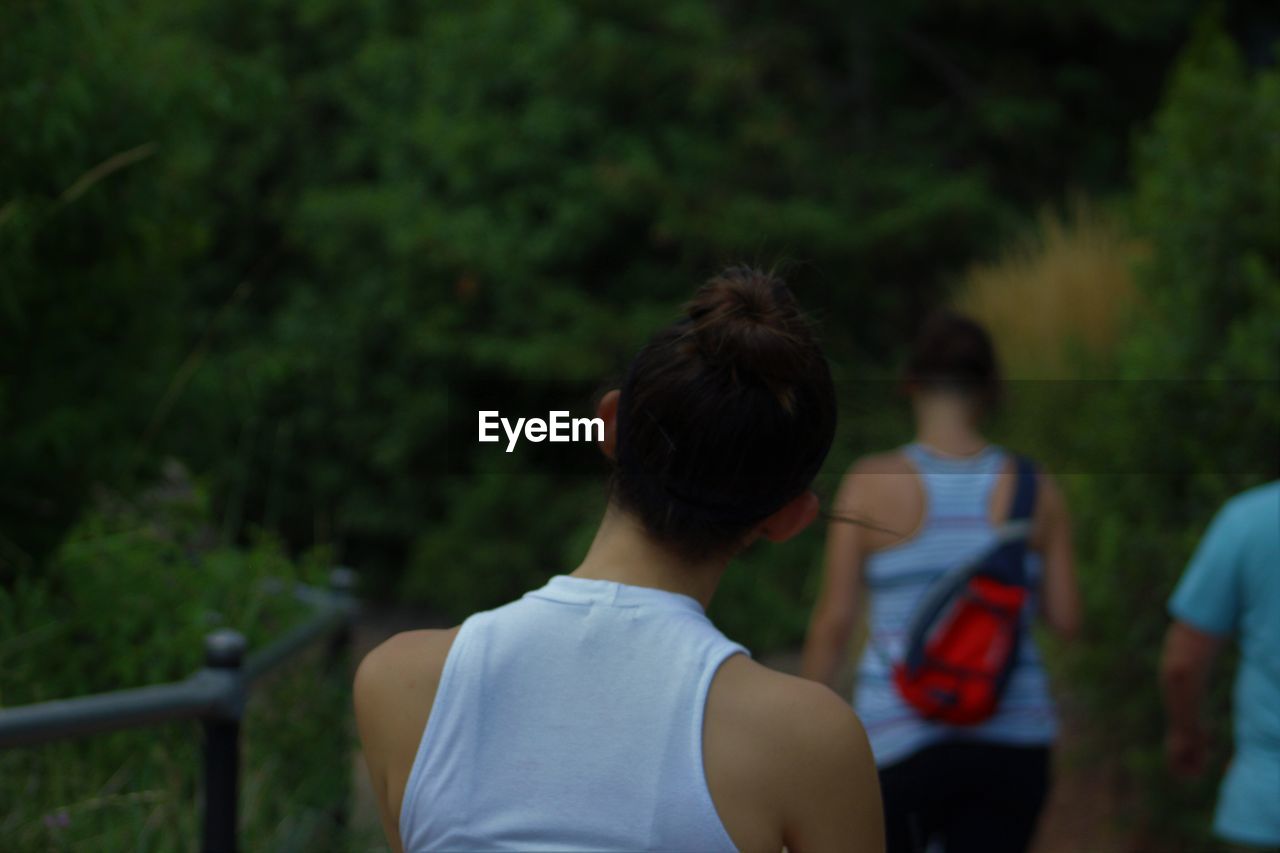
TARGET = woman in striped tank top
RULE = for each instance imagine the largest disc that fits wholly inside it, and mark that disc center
(933, 505)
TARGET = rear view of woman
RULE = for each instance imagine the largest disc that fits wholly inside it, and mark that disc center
(604, 711)
(935, 505)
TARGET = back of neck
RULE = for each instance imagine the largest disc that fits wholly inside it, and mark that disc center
(947, 425)
(623, 552)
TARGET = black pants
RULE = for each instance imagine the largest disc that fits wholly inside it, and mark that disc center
(979, 797)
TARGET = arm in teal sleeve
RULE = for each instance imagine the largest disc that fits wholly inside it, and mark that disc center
(1208, 595)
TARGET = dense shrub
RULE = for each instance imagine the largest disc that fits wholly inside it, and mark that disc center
(1189, 414)
(1198, 416)
(126, 602)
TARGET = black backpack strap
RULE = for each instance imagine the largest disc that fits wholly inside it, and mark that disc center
(1024, 496)
(1007, 561)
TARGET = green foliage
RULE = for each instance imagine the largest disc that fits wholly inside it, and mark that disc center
(126, 603)
(337, 226)
(1194, 419)
(89, 253)
(298, 243)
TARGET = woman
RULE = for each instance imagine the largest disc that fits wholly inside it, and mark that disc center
(934, 504)
(604, 711)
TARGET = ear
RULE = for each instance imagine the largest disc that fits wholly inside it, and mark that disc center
(607, 411)
(797, 514)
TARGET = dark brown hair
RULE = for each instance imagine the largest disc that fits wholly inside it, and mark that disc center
(724, 416)
(953, 352)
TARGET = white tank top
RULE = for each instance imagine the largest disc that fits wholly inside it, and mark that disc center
(571, 720)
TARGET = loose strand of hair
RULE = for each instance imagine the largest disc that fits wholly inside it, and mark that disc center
(859, 522)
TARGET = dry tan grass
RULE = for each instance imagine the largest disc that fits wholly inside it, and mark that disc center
(1059, 297)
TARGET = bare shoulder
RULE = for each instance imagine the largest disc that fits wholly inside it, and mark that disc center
(807, 720)
(405, 663)
(882, 489)
(776, 690)
(395, 686)
(874, 475)
(888, 462)
(775, 749)
(788, 763)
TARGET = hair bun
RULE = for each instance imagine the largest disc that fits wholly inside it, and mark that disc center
(723, 416)
(748, 320)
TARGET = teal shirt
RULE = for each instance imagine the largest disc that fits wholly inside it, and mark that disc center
(1231, 587)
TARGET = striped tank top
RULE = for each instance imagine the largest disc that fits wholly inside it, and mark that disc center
(955, 528)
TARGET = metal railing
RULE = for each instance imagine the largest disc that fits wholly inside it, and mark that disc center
(215, 695)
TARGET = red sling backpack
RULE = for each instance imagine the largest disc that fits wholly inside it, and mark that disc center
(964, 638)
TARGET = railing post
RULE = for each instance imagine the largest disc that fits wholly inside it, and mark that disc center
(343, 583)
(224, 653)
